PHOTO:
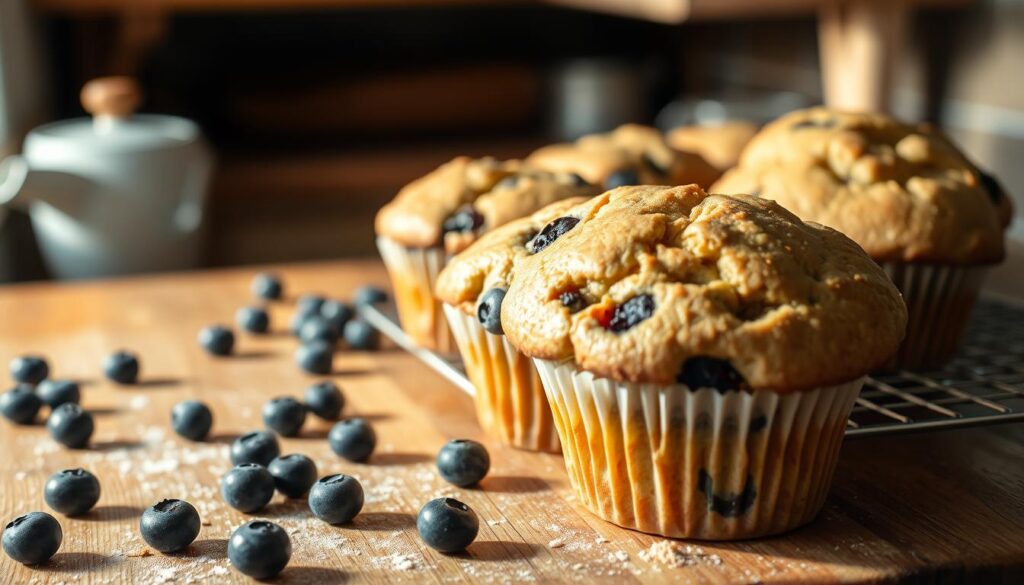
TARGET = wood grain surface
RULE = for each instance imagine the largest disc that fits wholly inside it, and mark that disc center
(945, 507)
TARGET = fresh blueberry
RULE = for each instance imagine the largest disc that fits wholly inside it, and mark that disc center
(72, 492)
(324, 400)
(29, 369)
(192, 419)
(708, 372)
(489, 310)
(293, 474)
(253, 319)
(550, 233)
(247, 487)
(463, 462)
(309, 304)
(316, 328)
(360, 335)
(621, 179)
(284, 415)
(20, 405)
(57, 392)
(32, 539)
(353, 439)
(70, 426)
(370, 295)
(260, 549)
(336, 499)
(447, 525)
(258, 447)
(170, 526)
(465, 219)
(316, 357)
(267, 286)
(122, 367)
(337, 313)
(217, 339)
(298, 319)
(630, 313)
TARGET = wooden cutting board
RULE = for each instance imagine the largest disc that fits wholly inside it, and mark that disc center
(937, 507)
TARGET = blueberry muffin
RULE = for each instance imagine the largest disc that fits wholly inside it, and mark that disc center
(444, 212)
(719, 144)
(701, 354)
(510, 400)
(630, 155)
(904, 193)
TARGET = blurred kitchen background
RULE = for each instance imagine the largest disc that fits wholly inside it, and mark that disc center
(319, 110)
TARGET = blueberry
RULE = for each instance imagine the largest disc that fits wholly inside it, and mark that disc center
(70, 426)
(258, 447)
(630, 313)
(191, 419)
(316, 357)
(217, 339)
(337, 314)
(57, 392)
(122, 367)
(29, 369)
(298, 319)
(316, 328)
(293, 474)
(20, 405)
(72, 492)
(253, 319)
(466, 219)
(336, 499)
(571, 300)
(33, 538)
(463, 462)
(170, 526)
(259, 549)
(247, 487)
(284, 415)
(360, 335)
(708, 372)
(550, 233)
(621, 179)
(267, 286)
(489, 310)
(578, 181)
(353, 439)
(324, 400)
(370, 295)
(309, 304)
(447, 525)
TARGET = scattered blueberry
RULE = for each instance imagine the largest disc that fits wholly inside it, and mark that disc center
(72, 492)
(293, 474)
(247, 487)
(324, 400)
(337, 313)
(621, 179)
(571, 300)
(284, 415)
(489, 310)
(360, 335)
(170, 526)
(708, 372)
(192, 419)
(20, 405)
(463, 462)
(258, 447)
(32, 539)
(259, 549)
(630, 313)
(316, 328)
(70, 426)
(267, 286)
(336, 499)
(369, 295)
(550, 233)
(29, 369)
(316, 357)
(298, 318)
(447, 525)
(253, 319)
(217, 339)
(466, 219)
(57, 392)
(309, 304)
(122, 367)
(353, 439)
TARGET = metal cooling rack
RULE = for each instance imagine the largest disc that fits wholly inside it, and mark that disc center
(983, 385)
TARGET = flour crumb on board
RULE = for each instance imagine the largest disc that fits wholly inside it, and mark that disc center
(674, 555)
(556, 543)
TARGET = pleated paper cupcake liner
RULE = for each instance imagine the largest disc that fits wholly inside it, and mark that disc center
(939, 301)
(510, 401)
(704, 464)
(413, 273)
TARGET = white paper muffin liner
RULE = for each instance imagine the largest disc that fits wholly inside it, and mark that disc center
(510, 401)
(702, 464)
(413, 273)
(939, 301)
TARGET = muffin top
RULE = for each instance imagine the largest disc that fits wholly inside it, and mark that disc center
(904, 193)
(669, 284)
(719, 144)
(630, 155)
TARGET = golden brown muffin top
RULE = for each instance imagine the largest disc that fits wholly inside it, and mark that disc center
(669, 284)
(629, 155)
(904, 193)
(719, 144)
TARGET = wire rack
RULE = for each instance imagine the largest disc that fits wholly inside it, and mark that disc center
(983, 385)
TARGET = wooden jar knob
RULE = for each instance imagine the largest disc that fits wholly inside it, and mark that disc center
(115, 97)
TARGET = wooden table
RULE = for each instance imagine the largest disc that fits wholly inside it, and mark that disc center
(938, 507)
